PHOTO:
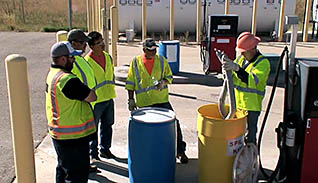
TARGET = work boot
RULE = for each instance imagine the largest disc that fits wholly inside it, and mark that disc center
(107, 154)
(95, 158)
(92, 168)
(183, 158)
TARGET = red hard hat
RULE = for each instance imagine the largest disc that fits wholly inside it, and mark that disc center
(246, 41)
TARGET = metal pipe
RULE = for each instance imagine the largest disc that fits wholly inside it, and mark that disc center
(70, 14)
(254, 16)
(171, 19)
(292, 62)
(226, 7)
(281, 20)
(98, 12)
(95, 11)
(308, 7)
(20, 115)
(144, 24)
(105, 30)
(114, 30)
(199, 21)
(89, 22)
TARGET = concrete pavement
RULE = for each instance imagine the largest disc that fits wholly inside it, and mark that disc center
(191, 89)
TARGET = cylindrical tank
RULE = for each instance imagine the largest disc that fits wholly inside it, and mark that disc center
(219, 141)
(171, 51)
(152, 145)
(129, 12)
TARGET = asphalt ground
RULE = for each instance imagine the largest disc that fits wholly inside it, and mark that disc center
(191, 89)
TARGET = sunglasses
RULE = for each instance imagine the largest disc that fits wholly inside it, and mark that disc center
(101, 42)
(150, 50)
(82, 42)
(69, 56)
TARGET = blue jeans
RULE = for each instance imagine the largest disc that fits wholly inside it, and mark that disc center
(252, 119)
(181, 145)
(104, 115)
(72, 161)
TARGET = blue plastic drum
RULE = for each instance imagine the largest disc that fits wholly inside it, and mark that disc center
(171, 51)
(152, 145)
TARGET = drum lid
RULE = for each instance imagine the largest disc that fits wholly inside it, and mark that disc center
(245, 167)
(153, 115)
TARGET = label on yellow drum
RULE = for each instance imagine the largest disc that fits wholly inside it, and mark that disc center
(234, 145)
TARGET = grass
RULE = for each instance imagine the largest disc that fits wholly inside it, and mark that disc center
(48, 15)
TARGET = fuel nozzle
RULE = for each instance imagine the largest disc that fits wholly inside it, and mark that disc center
(221, 55)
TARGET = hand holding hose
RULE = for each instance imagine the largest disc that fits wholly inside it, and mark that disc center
(228, 65)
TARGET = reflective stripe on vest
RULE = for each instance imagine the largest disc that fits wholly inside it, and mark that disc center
(82, 73)
(130, 83)
(60, 124)
(249, 90)
(104, 83)
(141, 90)
(73, 129)
(53, 96)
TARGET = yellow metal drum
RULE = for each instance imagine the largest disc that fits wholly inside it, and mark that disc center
(219, 141)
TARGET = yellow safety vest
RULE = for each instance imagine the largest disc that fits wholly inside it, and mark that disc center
(250, 96)
(105, 88)
(142, 83)
(84, 72)
(67, 119)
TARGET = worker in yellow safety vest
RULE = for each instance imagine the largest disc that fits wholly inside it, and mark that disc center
(148, 77)
(103, 68)
(250, 73)
(81, 68)
(70, 118)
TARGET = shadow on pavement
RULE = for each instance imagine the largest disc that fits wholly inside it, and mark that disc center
(194, 78)
(187, 172)
(110, 167)
(99, 178)
(184, 172)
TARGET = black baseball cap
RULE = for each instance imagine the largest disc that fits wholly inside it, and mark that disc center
(77, 35)
(149, 44)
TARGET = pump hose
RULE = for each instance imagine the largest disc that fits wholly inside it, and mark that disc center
(281, 159)
(228, 87)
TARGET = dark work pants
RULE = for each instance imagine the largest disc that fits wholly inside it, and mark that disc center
(72, 161)
(104, 115)
(252, 120)
(181, 145)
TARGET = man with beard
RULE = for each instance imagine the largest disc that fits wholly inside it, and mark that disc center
(70, 117)
(103, 69)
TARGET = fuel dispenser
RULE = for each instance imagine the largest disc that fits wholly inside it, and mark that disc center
(221, 35)
(302, 124)
(298, 133)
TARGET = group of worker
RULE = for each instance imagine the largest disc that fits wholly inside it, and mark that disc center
(80, 94)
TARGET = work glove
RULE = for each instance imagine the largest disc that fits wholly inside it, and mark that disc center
(131, 104)
(230, 65)
(161, 84)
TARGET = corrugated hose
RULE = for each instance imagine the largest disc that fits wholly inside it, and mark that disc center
(228, 87)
